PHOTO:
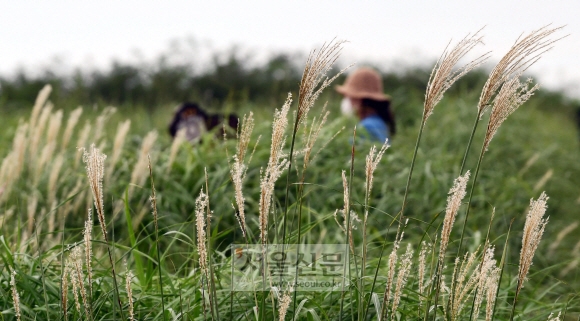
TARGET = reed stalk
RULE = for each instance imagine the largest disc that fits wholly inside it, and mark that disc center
(94, 161)
(347, 221)
(153, 200)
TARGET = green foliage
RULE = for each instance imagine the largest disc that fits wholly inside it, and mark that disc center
(511, 175)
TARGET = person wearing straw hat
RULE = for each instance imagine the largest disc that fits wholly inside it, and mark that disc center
(364, 97)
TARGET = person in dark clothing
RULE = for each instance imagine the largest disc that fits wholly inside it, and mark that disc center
(195, 122)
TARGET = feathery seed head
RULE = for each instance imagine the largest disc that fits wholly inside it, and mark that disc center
(511, 96)
(77, 269)
(402, 276)
(237, 171)
(178, 140)
(128, 279)
(54, 126)
(201, 203)
(40, 101)
(491, 286)
(283, 306)
(87, 235)
(425, 250)
(140, 170)
(83, 137)
(95, 166)
(119, 142)
(312, 137)
(64, 283)
(486, 271)
(443, 75)
(71, 122)
(276, 166)
(525, 52)
(456, 195)
(15, 295)
(467, 278)
(318, 64)
(372, 161)
(533, 230)
(244, 135)
(344, 210)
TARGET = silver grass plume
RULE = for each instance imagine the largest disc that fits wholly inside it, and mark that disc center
(54, 126)
(443, 75)
(456, 195)
(95, 166)
(276, 165)
(64, 286)
(119, 142)
(312, 136)
(40, 101)
(425, 250)
(71, 122)
(237, 170)
(372, 161)
(87, 235)
(153, 197)
(318, 63)
(465, 281)
(128, 279)
(284, 304)
(244, 135)
(533, 230)
(511, 96)
(52, 186)
(15, 295)
(492, 284)
(345, 226)
(31, 211)
(200, 208)
(74, 280)
(393, 259)
(238, 167)
(140, 170)
(178, 140)
(77, 269)
(487, 271)
(402, 277)
(524, 53)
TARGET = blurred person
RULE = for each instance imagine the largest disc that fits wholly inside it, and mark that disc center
(364, 97)
(196, 122)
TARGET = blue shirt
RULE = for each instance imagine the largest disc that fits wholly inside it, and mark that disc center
(376, 128)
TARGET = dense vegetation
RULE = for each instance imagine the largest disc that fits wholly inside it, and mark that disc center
(45, 193)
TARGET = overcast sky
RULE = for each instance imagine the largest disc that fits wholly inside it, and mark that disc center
(390, 33)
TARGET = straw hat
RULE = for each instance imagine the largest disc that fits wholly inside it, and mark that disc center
(363, 83)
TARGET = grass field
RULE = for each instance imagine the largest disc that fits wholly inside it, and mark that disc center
(45, 194)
